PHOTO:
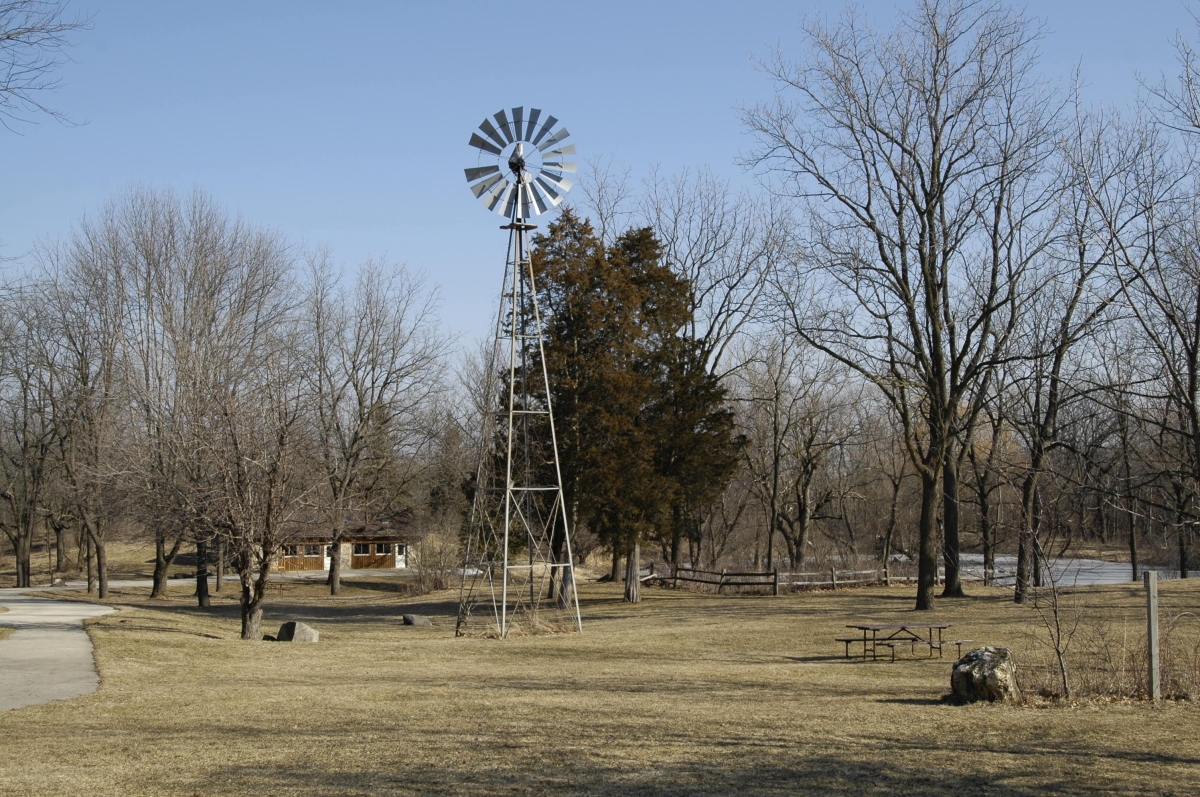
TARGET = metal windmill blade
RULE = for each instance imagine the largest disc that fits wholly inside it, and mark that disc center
(522, 162)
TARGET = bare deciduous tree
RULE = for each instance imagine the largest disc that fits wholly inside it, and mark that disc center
(371, 368)
(28, 433)
(724, 244)
(82, 341)
(919, 152)
(34, 36)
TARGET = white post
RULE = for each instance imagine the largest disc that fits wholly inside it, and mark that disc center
(1151, 580)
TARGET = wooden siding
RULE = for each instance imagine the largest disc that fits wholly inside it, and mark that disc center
(372, 561)
(302, 563)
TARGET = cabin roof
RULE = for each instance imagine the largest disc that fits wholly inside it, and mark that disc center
(396, 527)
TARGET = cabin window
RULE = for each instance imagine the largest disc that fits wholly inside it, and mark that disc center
(312, 550)
(362, 549)
(289, 550)
(383, 549)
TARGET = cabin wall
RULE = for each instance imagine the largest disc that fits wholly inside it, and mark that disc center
(378, 556)
(304, 556)
(356, 556)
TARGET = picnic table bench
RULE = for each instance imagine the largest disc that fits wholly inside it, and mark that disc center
(890, 635)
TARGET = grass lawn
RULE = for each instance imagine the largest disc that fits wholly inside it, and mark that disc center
(683, 694)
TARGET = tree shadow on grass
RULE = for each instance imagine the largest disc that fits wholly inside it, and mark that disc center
(912, 701)
(506, 769)
(827, 659)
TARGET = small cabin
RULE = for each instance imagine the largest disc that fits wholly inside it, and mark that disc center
(381, 544)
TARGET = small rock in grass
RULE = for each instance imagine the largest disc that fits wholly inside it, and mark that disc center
(985, 674)
(266, 637)
(293, 631)
(416, 619)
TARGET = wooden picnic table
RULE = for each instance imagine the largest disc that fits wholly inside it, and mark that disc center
(913, 632)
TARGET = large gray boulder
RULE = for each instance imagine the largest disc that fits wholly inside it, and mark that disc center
(416, 619)
(293, 631)
(985, 674)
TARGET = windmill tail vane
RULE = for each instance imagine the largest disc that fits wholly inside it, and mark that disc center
(518, 572)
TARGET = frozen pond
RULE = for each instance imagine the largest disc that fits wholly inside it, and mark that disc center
(1065, 572)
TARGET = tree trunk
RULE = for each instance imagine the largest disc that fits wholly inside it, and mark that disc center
(91, 563)
(335, 565)
(202, 597)
(789, 539)
(803, 523)
(566, 573)
(80, 549)
(633, 570)
(953, 588)
(163, 559)
(101, 566)
(677, 536)
(890, 531)
(616, 564)
(927, 557)
(159, 588)
(220, 564)
(60, 550)
(1133, 547)
(23, 553)
(1184, 534)
(1025, 538)
(254, 588)
(1039, 559)
(557, 576)
(251, 619)
(566, 588)
(773, 520)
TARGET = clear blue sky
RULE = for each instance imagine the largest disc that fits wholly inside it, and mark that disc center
(345, 124)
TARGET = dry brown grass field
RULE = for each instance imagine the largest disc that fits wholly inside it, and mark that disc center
(683, 694)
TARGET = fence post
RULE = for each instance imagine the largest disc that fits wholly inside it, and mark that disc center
(775, 583)
(833, 577)
(721, 583)
(1150, 578)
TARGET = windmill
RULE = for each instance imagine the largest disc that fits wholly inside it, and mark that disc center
(519, 571)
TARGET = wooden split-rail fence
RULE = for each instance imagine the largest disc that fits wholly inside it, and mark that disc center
(774, 579)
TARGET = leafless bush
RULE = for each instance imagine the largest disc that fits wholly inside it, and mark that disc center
(436, 557)
(1106, 658)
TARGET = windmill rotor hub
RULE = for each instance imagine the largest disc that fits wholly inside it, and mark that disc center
(524, 162)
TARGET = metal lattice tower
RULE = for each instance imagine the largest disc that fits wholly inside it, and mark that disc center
(519, 571)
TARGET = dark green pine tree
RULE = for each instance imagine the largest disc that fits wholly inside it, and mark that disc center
(644, 434)
(697, 451)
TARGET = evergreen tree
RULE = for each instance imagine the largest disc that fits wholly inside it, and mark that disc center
(644, 435)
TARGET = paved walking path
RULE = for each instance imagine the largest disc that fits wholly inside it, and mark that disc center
(49, 656)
